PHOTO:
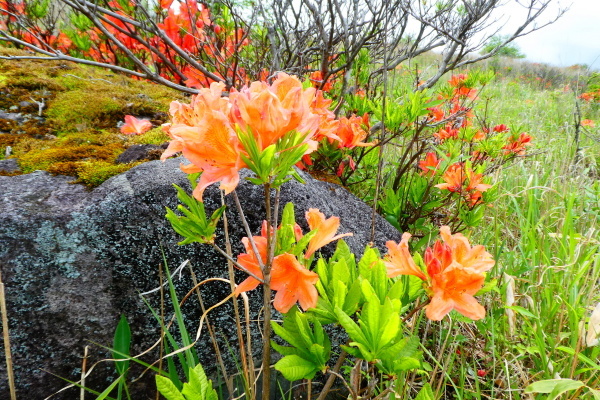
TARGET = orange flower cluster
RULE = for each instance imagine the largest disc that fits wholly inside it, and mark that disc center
(461, 89)
(292, 281)
(463, 180)
(185, 23)
(590, 96)
(454, 272)
(430, 164)
(516, 145)
(206, 130)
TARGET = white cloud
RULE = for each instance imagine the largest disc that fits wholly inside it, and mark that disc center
(573, 39)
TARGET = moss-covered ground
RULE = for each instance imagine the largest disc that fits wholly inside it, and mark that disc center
(69, 117)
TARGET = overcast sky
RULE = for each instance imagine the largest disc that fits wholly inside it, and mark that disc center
(573, 39)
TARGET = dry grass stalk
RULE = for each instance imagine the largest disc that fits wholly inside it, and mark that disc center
(9, 368)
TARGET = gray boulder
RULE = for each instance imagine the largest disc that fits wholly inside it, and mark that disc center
(74, 260)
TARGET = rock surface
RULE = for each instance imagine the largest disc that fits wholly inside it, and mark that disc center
(73, 260)
(139, 152)
(9, 165)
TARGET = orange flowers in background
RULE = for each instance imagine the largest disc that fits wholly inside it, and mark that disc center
(135, 126)
(516, 145)
(430, 164)
(454, 272)
(463, 180)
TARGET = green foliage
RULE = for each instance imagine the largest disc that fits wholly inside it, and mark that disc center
(310, 347)
(193, 225)
(510, 50)
(121, 346)
(273, 165)
(198, 388)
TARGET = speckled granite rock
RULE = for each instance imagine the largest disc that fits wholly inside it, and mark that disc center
(73, 260)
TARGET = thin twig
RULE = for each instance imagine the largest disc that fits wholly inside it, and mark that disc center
(7, 353)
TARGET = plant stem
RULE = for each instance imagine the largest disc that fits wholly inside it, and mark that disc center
(7, 354)
(245, 362)
(266, 356)
(331, 378)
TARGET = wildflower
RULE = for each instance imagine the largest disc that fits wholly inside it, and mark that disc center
(500, 128)
(475, 257)
(399, 261)
(206, 130)
(135, 126)
(517, 145)
(351, 132)
(454, 178)
(293, 283)
(326, 229)
(588, 122)
(454, 273)
(250, 261)
(463, 180)
(213, 148)
(453, 289)
(317, 79)
(430, 164)
(445, 133)
(269, 112)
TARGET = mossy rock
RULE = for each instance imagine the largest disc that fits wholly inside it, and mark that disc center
(77, 132)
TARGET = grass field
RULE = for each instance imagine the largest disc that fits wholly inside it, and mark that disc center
(544, 234)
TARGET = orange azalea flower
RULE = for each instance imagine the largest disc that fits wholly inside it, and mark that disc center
(249, 261)
(480, 135)
(351, 132)
(270, 112)
(317, 79)
(436, 113)
(501, 128)
(454, 273)
(135, 126)
(475, 181)
(475, 258)
(293, 283)
(446, 133)
(517, 145)
(454, 288)
(213, 147)
(400, 262)
(457, 80)
(454, 178)
(588, 122)
(430, 164)
(326, 229)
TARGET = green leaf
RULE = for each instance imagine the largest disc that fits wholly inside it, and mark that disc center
(122, 343)
(350, 326)
(555, 387)
(595, 393)
(294, 368)
(426, 393)
(168, 388)
(107, 391)
(522, 311)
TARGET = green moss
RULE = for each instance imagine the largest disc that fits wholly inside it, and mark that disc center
(94, 173)
(51, 155)
(155, 136)
(83, 106)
